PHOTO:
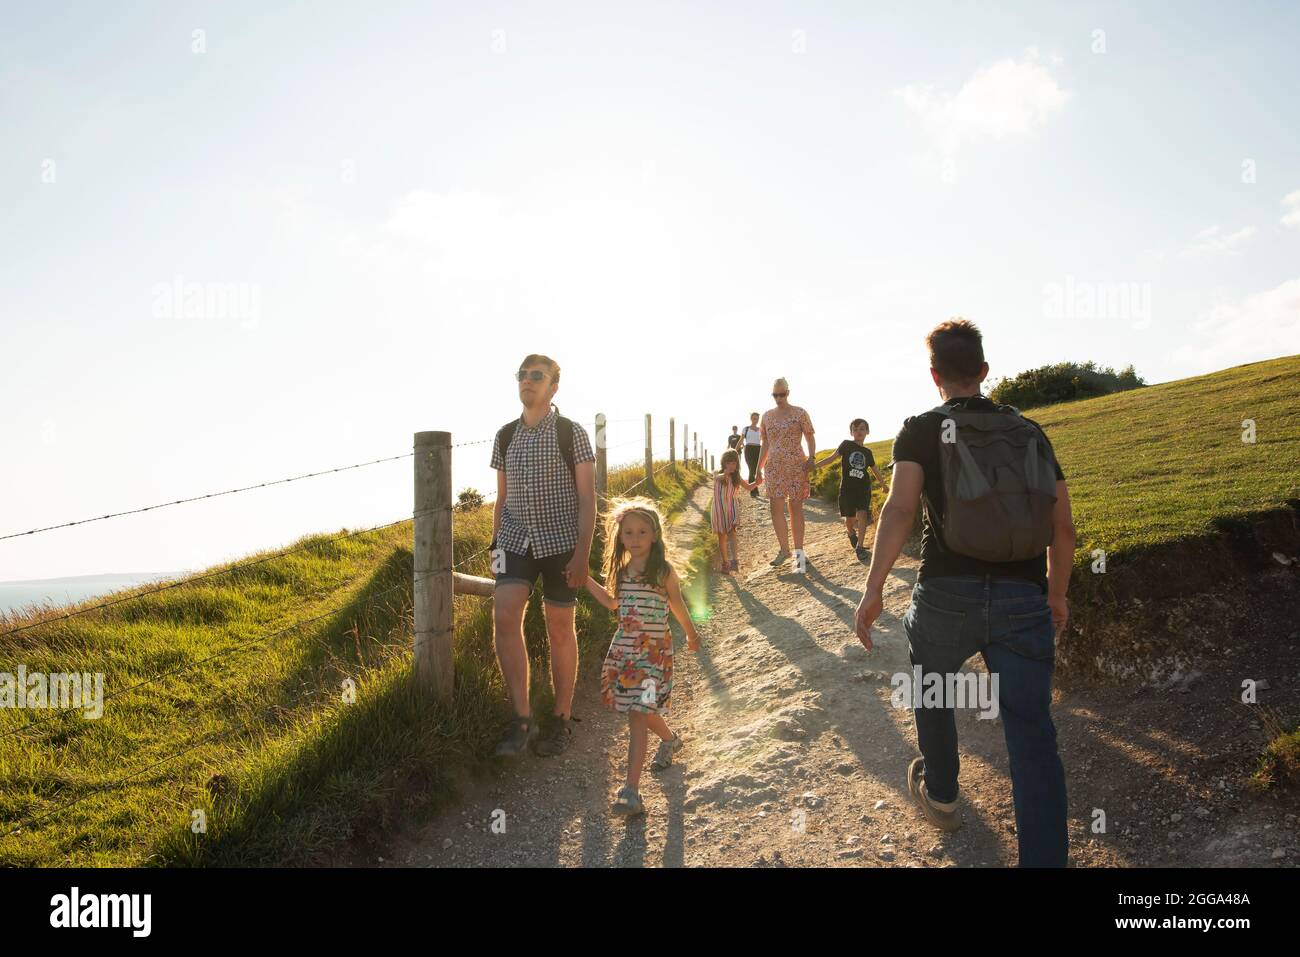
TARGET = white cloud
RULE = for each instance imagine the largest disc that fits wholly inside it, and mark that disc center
(1010, 99)
(1292, 216)
(1209, 241)
(1260, 326)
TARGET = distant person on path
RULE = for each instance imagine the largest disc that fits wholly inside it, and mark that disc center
(855, 487)
(734, 438)
(542, 524)
(637, 677)
(724, 515)
(997, 549)
(784, 467)
(753, 441)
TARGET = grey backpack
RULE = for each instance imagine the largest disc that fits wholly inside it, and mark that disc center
(999, 484)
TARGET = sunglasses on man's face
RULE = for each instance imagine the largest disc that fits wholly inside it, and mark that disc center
(537, 375)
(779, 395)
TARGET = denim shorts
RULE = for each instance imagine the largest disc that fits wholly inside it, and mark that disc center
(525, 568)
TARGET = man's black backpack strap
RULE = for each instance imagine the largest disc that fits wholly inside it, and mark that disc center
(563, 435)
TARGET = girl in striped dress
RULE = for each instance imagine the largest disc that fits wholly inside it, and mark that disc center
(637, 677)
(724, 515)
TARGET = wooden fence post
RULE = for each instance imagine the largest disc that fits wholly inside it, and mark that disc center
(695, 444)
(602, 476)
(649, 458)
(434, 630)
(672, 442)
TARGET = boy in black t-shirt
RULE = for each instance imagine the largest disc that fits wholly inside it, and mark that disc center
(855, 486)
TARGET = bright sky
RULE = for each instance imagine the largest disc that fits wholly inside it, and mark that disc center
(678, 201)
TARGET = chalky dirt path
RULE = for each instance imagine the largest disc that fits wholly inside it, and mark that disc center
(795, 757)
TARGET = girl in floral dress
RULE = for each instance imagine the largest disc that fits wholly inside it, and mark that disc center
(724, 516)
(637, 676)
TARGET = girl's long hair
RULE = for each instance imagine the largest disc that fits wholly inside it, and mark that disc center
(731, 455)
(662, 552)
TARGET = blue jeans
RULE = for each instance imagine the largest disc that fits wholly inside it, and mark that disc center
(1008, 622)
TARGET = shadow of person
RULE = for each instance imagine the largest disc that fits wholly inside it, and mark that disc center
(864, 721)
(673, 783)
(631, 847)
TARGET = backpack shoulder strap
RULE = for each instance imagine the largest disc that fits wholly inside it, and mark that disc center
(507, 433)
(564, 435)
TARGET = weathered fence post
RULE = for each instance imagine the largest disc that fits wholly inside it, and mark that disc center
(602, 476)
(672, 441)
(695, 444)
(434, 630)
(649, 458)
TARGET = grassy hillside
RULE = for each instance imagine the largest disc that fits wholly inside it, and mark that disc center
(1167, 463)
(218, 707)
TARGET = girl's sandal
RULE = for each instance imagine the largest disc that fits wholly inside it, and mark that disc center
(628, 803)
(664, 756)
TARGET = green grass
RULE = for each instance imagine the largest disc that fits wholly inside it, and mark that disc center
(1279, 765)
(1167, 463)
(1279, 762)
(259, 738)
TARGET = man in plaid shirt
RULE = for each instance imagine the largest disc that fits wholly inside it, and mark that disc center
(543, 522)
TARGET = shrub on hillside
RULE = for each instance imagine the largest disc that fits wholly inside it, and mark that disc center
(469, 499)
(1063, 382)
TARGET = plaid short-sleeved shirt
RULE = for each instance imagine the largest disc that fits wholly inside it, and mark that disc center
(541, 507)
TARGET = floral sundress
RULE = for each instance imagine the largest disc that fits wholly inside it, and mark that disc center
(638, 670)
(784, 470)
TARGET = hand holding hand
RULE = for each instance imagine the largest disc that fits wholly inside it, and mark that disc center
(575, 573)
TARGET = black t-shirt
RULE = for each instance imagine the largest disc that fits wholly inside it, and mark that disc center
(732, 440)
(855, 482)
(918, 441)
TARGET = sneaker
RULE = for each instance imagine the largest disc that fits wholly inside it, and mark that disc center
(942, 816)
(853, 539)
(664, 756)
(554, 737)
(781, 558)
(628, 803)
(735, 564)
(864, 554)
(521, 731)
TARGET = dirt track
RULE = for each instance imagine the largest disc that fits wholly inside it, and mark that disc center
(795, 757)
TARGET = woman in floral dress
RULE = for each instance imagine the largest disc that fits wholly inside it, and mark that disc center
(784, 467)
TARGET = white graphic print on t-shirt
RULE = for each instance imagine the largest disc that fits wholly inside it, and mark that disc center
(857, 465)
